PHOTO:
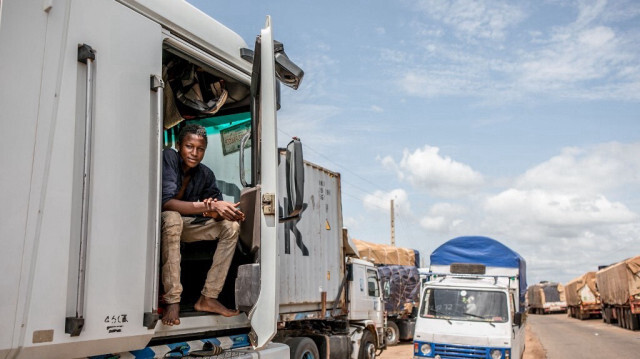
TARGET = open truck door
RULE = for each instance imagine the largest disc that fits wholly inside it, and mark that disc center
(264, 314)
(269, 62)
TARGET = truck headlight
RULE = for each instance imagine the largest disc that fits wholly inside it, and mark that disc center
(496, 354)
(425, 349)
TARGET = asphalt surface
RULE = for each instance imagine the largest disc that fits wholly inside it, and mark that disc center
(563, 337)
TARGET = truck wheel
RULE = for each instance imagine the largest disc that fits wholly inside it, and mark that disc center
(392, 333)
(634, 323)
(302, 348)
(367, 346)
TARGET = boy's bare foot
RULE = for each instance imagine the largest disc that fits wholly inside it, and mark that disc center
(212, 305)
(171, 315)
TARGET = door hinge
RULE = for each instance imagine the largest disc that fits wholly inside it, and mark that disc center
(268, 203)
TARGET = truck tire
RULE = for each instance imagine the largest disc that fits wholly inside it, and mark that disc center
(634, 322)
(392, 333)
(302, 348)
(367, 346)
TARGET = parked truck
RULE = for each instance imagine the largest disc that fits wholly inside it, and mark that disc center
(93, 90)
(619, 287)
(583, 298)
(472, 303)
(398, 269)
(546, 297)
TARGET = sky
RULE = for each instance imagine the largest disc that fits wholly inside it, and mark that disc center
(516, 120)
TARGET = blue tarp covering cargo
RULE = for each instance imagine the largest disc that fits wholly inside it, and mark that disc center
(481, 250)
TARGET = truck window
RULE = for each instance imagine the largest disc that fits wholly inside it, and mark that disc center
(372, 283)
(223, 151)
(464, 304)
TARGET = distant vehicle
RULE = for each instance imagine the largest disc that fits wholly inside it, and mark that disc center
(472, 303)
(583, 298)
(546, 297)
(398, 270)
(619, 286)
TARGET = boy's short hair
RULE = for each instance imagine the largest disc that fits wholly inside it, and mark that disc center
(194, 129)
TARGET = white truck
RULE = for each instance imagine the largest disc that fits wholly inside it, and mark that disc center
(546, 297)
(471, 302)
(88, 105)
(397, 267)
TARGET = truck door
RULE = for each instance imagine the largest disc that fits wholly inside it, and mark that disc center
(375, 296)
(264, 314)
(517, 332)
(365, 296)
(89, 229)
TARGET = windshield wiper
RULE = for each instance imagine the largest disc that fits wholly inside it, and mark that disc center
(481, 317)
(443, 315)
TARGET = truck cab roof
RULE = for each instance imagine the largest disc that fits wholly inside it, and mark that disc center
(188, 22)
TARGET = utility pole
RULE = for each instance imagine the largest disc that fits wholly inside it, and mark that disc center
(393, 227)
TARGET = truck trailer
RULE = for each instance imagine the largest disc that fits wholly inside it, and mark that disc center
(583, 298)
(103, 88)
(472, 303)
(546, 297)
(619, 287)
(398, 270)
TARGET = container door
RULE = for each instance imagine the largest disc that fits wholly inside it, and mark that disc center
(86, 276)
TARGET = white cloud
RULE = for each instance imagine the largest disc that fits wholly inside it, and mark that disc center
(594, 56)
(584, 59)
(593, 170)
(380, 201)
(444, 217)
(556, 209)
(566, 215)
(560, 213)
(482, 19)
(439, 175)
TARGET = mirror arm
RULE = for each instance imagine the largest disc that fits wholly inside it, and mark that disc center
(289, 218)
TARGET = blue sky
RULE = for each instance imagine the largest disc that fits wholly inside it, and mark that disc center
(517, 120)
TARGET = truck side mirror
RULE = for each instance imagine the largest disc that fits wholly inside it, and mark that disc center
(386, 289)
(517, 318)
(294, 179)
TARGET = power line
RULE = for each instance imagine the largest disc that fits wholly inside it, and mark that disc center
(330, 160)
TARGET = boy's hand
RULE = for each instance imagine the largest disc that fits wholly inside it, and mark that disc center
(223, 209)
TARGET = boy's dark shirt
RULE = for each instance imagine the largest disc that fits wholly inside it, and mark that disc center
(201, 186)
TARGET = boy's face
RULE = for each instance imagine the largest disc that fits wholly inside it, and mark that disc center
(191, 149)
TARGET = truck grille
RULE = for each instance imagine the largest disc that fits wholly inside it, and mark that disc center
(447, 351)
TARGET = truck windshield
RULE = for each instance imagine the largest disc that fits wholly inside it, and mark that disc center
(465, 304)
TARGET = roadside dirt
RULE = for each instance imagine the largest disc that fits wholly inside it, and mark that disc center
(533, 348)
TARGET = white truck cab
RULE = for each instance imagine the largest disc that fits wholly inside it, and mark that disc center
(85, 99)
(468, 317)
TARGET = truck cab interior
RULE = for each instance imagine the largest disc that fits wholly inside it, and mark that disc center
(197, 93)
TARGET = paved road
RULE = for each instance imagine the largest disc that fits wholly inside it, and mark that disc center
(563, 337)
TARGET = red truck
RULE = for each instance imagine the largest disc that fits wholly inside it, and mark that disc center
(583, 298)
(619, 286)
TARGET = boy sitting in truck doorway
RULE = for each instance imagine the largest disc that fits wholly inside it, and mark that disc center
(189, 196)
